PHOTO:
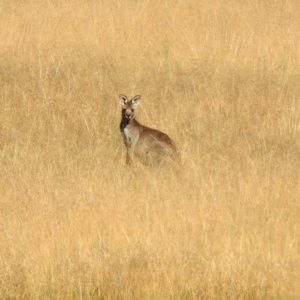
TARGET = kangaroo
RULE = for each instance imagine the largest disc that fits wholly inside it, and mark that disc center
(151, 146)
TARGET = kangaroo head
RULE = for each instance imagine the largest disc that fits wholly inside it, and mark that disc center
(128, 106)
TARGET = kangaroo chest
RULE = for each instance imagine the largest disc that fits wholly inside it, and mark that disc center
(127, 133)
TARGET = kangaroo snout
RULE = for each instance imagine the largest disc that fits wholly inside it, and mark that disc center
(128, 113)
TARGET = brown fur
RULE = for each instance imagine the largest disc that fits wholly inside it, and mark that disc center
(151, 146)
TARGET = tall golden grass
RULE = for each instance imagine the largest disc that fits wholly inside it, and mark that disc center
(221, 78)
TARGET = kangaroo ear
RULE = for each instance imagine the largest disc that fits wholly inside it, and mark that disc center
(136, 99)
(123, 99)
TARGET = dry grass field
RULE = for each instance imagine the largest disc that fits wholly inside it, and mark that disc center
(221, 78)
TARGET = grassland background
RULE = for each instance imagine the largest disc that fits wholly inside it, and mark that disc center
(221, 78)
